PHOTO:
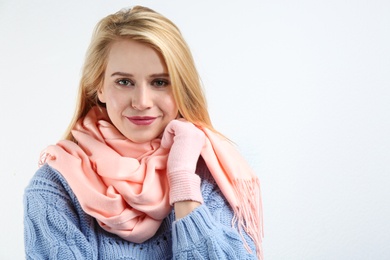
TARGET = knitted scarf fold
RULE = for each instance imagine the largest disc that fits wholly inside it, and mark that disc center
(123, 185)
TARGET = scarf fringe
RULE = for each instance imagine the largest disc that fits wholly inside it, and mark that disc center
(248, 215)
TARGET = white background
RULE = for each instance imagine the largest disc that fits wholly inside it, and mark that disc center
(303, 87)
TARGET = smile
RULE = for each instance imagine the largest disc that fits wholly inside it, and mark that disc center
(142, 120)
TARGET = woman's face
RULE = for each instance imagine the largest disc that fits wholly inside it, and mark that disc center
(137, 91)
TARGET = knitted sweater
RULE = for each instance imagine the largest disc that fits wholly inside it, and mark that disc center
(56, 227)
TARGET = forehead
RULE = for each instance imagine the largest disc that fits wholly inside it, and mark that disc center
(134, 57)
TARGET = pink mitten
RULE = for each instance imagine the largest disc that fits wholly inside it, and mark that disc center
(186, 142)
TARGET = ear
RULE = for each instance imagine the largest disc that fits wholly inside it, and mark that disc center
(101, 95)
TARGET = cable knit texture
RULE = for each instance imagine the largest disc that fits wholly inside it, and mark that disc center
(56, 227)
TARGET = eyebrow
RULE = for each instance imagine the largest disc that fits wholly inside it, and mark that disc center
(163, 75)
(124, 74)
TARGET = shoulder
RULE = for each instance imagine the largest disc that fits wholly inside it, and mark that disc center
(54, 223)
(49, 187)
(49, 196)
(49, 179)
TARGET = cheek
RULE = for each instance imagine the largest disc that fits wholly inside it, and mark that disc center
(115, 100)
(171, 107)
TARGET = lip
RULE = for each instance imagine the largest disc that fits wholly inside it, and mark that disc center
(142, 120)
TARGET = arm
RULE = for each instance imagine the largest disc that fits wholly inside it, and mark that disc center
(206, 233)
(202, 229)
(52, 228)
(183, 208)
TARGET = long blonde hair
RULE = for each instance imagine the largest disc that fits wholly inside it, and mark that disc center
(147, 26)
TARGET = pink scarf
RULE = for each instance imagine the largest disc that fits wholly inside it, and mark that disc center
(124, 187)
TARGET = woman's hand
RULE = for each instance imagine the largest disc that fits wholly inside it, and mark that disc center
(185, 141)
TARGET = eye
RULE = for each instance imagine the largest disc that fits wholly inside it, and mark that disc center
(124, 82)
(160, 83)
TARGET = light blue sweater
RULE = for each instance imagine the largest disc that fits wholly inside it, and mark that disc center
(56, 227)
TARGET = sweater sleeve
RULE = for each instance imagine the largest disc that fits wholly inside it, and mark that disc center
(52, 229)
(206, 233)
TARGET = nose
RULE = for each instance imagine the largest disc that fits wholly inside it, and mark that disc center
(141, 98)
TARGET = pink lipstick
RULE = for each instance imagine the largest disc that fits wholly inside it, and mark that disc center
(141, 120)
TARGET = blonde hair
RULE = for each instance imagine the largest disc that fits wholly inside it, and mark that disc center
(147, 26)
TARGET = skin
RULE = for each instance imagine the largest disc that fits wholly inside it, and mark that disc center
(138, 96)
(137, 84)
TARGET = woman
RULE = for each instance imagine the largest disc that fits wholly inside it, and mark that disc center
(141, 172)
